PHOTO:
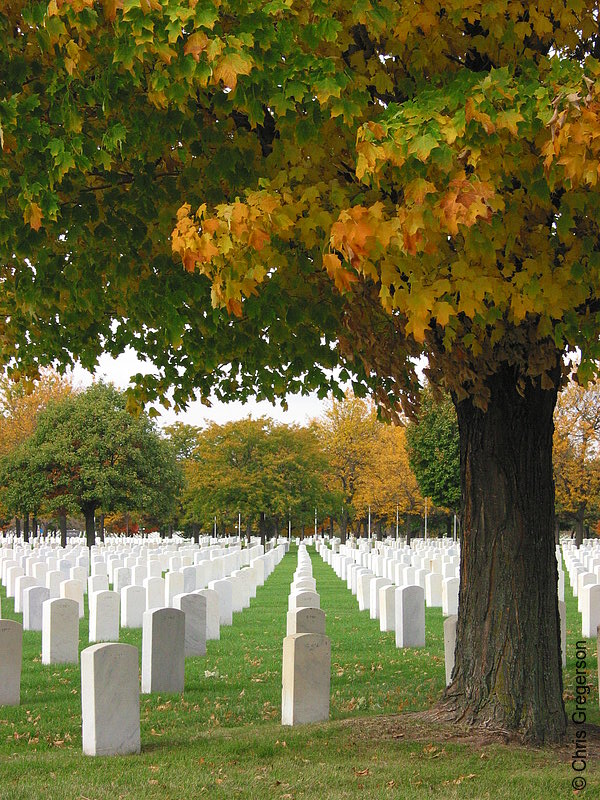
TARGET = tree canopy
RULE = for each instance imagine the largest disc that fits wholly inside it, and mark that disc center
(342, 184)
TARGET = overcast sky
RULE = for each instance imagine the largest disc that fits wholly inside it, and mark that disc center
(119, 371)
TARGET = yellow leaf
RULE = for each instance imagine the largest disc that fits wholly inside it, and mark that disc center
(33, 215)
(110, 8)
(230, 66)
(442, 312)
(195, 45)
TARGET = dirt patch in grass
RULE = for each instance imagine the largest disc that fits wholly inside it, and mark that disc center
(427, 726)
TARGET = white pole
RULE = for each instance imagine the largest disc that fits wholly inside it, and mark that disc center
(239, 524)
(315, 523)
(454, 536)
(215, 528)
(290, 525)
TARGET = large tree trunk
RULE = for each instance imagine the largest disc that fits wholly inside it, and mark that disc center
(17, 527)
(101, 527)
(90, 525)
(26, 527)
(508, 664)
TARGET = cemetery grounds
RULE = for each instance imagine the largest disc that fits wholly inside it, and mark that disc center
(223, 739)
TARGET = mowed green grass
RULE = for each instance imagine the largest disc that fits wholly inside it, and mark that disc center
(222, 737)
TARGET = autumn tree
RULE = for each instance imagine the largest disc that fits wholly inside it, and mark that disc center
(20, 403)
(264, 471)
(386, 484)
(434, 451)
(343, 185)
(348, 431)
(577, 453)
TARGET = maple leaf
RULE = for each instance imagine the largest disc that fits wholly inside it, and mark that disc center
(110, 8)
(33, 215)
(195, 45)
(231, 65)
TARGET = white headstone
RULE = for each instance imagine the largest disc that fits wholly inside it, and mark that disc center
(133, 605)
(306, 676)
(589, 595)
(410, 616)
(449, 645)
(304, 600)
(23, 582)
(173, 587)
(450, 587)
(375, 585)
(11, 654)
(121, 578)
(163, 650)
(73, 590)
(224, 589)
(155, 592)
(213, 626)
(387, 608)
(433, 589)
(60, 631)
(33, 598)
(305, 620)
(194, 608)
(110, 700)
(104, 617)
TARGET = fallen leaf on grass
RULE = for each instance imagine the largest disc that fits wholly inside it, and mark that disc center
(362, 771)
(460, 779)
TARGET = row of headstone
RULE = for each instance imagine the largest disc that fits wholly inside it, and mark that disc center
(107, 608)
(435, 569)
(306, 666)
(110, 681)
(583, 568)
(399, 608)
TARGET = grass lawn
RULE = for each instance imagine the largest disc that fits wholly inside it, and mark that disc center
(222, 737)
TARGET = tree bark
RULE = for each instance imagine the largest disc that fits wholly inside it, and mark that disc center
(507, 670)
(343, 526)
(90, 526)
(62, 522)
(17, 526)
(101, 527)
(579, 525)
(262, 525)
(26, 527)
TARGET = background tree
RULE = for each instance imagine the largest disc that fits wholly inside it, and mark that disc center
(398, 180)
(434, 451)
(348, 431)
(20, 404)
(87, 452)
(387, 484)
(576, 454)
(263, 471)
